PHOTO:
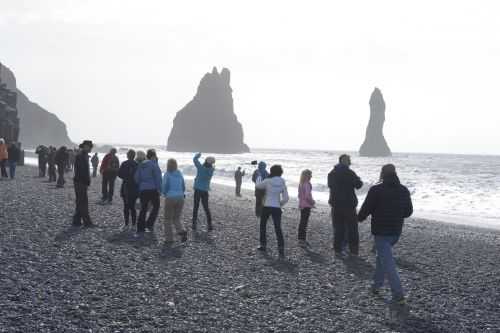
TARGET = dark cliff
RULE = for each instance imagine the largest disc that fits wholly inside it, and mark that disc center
(37, 125)
(208, 122)
(375, 144)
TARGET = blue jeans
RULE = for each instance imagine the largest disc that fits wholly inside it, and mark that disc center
(12, 169)
(387, 266)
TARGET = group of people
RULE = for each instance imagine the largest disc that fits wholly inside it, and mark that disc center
(9, 156)
(55, 162)
(388, 202)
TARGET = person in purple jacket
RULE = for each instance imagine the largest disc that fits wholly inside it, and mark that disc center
(306, 202)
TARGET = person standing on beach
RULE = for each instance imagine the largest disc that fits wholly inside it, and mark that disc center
(109, 171)
(258, 177)
(173, 189)
(204, 173)
(4, 157)
(81, 181)
(343, 182)
(61, 160)
(129, 190)
(42, 153)
(306, 203)
(14, 155)
(238, 177)
(276, 197)
(388, 203)
(95, 163)
(148, 180)
(51, 159)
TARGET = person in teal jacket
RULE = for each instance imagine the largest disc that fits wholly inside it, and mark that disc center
(204, 173)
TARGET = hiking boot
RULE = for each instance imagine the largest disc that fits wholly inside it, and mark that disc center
(262, 248)
(184, 237)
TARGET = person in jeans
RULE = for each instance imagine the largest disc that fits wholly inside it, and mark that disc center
(306, 202)
(95, 163)
(81, 181)
(173, 189)
(4, 157)
(109, 170)
(61, 160)
(276, 197)
(343, 182)
(258, 176)
(204, 173)
(388, 203)
(238, 178)
(14, 156)
(129, 191)
(148, 179)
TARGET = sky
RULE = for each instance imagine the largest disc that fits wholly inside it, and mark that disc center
(301, 71)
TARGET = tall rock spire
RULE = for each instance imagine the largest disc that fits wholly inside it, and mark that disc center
(375, 144)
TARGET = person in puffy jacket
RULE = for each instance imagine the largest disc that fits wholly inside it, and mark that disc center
(173, 189)
(257, 177)
(343, 182)
(129, 191)
(204, 173)
(306, 202)
(61, 160)
(81, 181)
(4, 157)
(109, 170)
(148, 180)
(276, 197)
(388, 203)
(51, 160)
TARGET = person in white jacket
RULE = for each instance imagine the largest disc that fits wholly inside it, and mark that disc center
(275, 198)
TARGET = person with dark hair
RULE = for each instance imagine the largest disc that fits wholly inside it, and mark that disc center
(258, 176)
(129, 191)
(4, 157)
(109, 171)
(306, 203)
(238, 178)
(14, 155)
(51, 159)
(388, 203)
(81, 181)
(61, 160)
(95, 163)
(276, 197)
(42, 152)
(173, 189)
(343, 182)
(148, 180)
(201, 186)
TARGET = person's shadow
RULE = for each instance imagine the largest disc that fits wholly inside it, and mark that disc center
(359, 267)
(282, 265)
(172, 252)
(66, 234)
(203, 236)
(315, 257)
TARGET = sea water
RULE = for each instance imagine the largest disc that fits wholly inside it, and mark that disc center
(450, 188)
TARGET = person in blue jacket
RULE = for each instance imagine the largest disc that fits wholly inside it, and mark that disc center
(148, 179)
(204, 173)
(173, 189)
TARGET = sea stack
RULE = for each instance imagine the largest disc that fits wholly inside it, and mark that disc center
(38, 126)
(208, 122)
(9, 121)
(375, 144)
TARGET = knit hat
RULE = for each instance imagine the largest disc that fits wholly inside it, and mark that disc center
(210, 160)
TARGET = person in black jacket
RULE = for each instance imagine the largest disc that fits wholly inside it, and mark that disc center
(342, 182)
(14, 155)
(61, 160)
(81, 181)
(51, 159)
(389, 203)
(129, 190)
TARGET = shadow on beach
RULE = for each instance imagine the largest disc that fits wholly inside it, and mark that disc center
(316, 257)
(203, 236)
(66, 234)
(168, 253)
(359, 267)
(280, 265)
(128, 237)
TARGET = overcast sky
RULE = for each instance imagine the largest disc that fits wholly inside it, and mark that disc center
(301, 71)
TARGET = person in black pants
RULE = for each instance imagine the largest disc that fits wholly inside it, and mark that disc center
(61, 160)
(276, 197)
(129, 191)
(148, 180)
(204, 173)
(343, 182)
(81, 181)
(109, 171)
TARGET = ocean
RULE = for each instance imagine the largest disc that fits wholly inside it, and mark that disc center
(463, 189)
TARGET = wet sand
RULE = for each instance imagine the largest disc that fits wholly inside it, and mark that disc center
(56, 278)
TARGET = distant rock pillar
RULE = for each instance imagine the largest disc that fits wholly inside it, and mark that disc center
(375, 144)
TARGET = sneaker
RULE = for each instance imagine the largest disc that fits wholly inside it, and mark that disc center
(125, 227)
(399, 300)
(375, 291)
(184, 237)
(262, 248)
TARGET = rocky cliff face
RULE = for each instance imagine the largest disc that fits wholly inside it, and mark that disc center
(37, 125)
(208, 122)
(375, 144)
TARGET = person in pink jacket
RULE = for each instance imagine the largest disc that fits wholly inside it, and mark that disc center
(306, 202)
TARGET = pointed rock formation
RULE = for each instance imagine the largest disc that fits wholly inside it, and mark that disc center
(208, 122)
(37, 125)
(375, 144)
(9, 121)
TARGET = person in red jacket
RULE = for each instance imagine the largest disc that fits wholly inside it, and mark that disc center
(110, 166)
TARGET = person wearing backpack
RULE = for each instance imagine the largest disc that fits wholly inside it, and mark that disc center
(109, 170)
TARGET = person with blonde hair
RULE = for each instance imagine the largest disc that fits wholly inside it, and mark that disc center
(306, 202)
(173, 189)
